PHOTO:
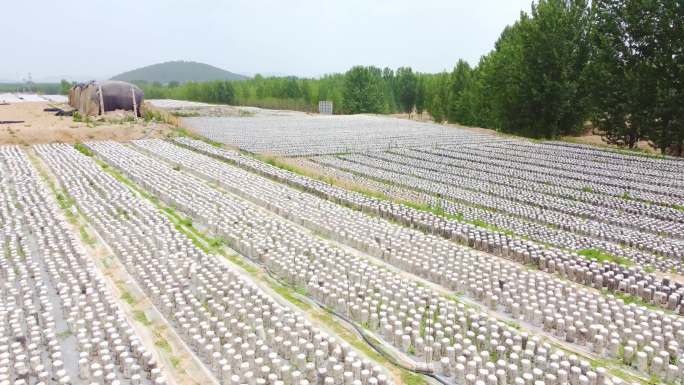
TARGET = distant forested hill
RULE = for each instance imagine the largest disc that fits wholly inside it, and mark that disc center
(178, 71)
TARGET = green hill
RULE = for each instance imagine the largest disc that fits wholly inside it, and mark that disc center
(179, 71)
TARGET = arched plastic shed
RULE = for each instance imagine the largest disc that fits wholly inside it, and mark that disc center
(95, 98)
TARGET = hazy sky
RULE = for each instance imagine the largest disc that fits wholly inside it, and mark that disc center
(83, 39)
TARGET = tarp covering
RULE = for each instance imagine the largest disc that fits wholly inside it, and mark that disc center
(116, 95)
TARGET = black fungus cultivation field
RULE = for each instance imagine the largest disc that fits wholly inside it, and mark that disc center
(340, 250)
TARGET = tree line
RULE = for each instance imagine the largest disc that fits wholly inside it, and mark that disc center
(568, 66)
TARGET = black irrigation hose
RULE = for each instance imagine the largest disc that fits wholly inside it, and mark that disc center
(359, 331)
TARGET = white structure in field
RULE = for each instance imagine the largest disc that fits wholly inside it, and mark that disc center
(325, 107)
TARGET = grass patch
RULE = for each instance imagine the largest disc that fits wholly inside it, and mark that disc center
(512, 324)
(140, 316)
(678, 207)
(175, 361)
(485, 225)
(107, 261)
(123, 120)
(290, 295)
(150, 115)
(187, 222)
(630, 299)
(66, 203)
(216, 243)
(123, 213)
(85, 237)
(125, 294)
(128, 297)
(587, 189)
(183, 132)
(437, 210)
(185, 114)
(163, 344)
(84, 150)
(64, 334)
(236, 259)
(80, 118)
(160, 340)
(598, 255)
(409, 378)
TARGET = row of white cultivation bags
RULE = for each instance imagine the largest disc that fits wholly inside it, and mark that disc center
(59, 323)
(609, 276)
(237, 330)
(523, 198)
(617, 227)
(552, 318)
(572, 185)
(462, 342)
(302, 134)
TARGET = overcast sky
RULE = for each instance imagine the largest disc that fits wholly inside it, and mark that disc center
(82, 39)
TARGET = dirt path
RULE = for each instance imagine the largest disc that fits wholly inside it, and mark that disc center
(39, 126)
(588, 139)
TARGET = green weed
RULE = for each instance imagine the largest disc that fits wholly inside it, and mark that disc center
(140, 316)
(85, 237)
(83, 149)
(185, 114)
(175, 361)
(598, 255)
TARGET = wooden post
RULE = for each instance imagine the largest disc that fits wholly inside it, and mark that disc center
(135, 105)
(102, 106)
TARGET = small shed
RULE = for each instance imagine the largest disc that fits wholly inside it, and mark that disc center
(325, 107)
(96, 98)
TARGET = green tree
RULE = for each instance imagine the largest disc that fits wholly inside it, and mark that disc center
(291, 89)
(618, 115)
(389, 93)
(458, 81)
(537, 72)
(437, 111)
(64, 87)
(437, 95)
(363, 91)
(420, 95)
(638, 66)
(406, 89)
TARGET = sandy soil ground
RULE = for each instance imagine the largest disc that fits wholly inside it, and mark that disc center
(425, 118)
(44, 127)
(594, 140)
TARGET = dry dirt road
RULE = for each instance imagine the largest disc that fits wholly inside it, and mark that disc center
(589, 138)
(44, 127)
